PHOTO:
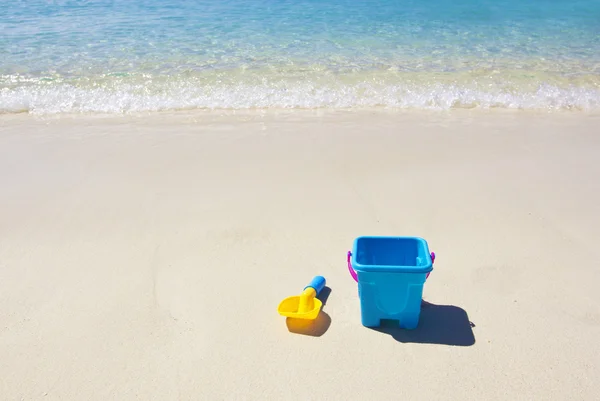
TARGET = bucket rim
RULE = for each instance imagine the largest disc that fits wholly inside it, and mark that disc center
(424, 268)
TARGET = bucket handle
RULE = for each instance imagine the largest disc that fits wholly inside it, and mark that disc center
(350, 268)
(355, 277)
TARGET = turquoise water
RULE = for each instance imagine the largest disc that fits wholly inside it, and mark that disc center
(121, 56)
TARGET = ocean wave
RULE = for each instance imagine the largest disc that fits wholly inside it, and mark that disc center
(119, 95)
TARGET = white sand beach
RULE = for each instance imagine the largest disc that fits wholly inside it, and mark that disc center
(143, 257)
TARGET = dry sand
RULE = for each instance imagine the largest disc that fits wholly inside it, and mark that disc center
(144, 257)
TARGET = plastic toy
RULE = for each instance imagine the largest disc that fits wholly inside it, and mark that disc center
(355, 277)
(305, 306)
(390, 272)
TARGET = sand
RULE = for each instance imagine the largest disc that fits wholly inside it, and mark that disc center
(143, 257)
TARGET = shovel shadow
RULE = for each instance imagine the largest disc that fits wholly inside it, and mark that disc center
(314, 328)
(438, 324)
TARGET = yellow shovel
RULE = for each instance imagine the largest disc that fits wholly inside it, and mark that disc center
(305, 306)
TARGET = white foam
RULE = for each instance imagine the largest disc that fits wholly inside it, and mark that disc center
(67, 98)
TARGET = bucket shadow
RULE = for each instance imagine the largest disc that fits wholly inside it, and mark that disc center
(438, 324)
(314, 328)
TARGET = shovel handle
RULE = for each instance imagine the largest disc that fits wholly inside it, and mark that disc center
(318, 283)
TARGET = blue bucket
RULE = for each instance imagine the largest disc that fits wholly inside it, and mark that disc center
(390, 272)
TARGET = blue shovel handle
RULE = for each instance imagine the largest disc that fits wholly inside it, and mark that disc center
(318, 283)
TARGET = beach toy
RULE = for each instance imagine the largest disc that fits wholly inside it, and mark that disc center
(390, 272)
(306, 305)
(355, 276)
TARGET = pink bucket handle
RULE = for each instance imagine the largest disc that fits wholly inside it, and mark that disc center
(432, 261)
(352, 272)
(355, 277)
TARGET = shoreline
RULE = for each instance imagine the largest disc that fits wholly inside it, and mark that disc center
(352, 113)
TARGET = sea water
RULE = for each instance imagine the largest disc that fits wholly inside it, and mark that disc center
(120, 56)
